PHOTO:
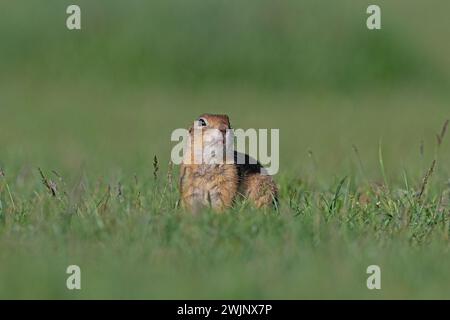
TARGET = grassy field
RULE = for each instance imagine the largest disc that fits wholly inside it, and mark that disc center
(365, 160)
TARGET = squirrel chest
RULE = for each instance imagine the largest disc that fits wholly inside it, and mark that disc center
(209, 185)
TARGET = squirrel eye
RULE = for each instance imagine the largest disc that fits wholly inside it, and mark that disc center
(202, 122)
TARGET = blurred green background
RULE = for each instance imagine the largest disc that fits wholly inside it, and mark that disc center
(111, 93)
(103, 101)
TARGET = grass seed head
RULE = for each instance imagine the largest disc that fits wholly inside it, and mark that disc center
(170, 173)
(155, 167)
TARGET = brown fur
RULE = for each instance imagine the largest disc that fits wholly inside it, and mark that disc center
(219, 185)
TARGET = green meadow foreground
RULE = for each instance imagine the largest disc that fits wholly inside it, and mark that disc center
(354, 192)
(364, 155)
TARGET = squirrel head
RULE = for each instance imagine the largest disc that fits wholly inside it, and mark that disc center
(220, 122)
(210, 138)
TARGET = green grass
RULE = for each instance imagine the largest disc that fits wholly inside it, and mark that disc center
(358, 114)
(121, 226)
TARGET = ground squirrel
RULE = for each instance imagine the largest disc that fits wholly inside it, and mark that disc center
(215, 181)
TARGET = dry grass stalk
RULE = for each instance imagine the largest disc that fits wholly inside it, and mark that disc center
(49, 184)
(426, 179)
(103, 203)
(2, 175)
(155, 167)
(440, 137)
